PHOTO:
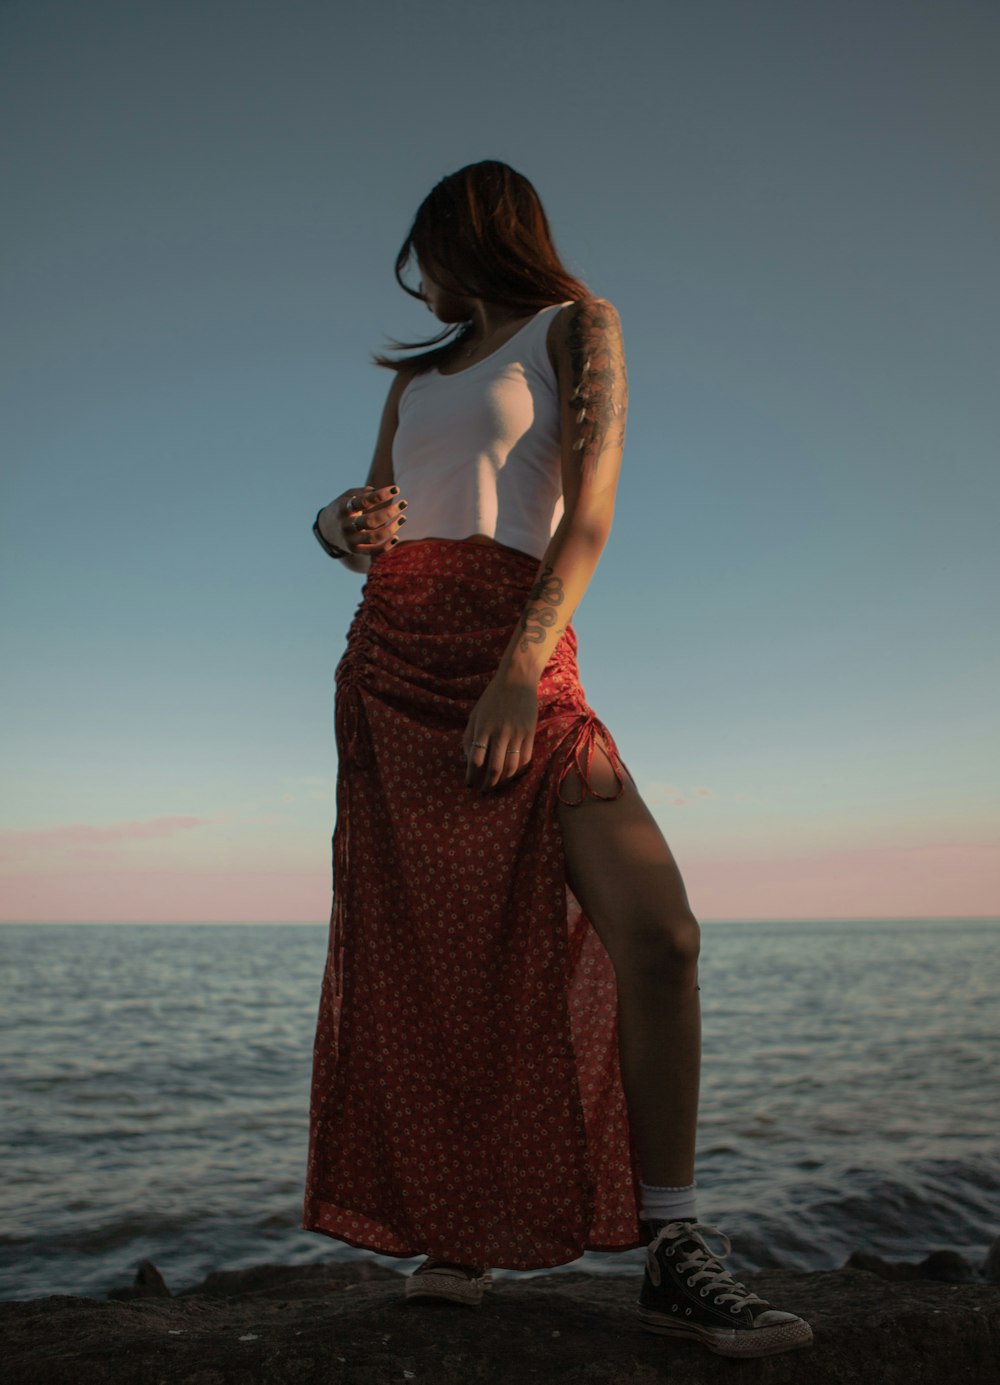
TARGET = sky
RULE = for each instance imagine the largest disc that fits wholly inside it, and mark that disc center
(792, 630)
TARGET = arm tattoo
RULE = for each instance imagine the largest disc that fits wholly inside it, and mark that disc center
(537, 619)
(600, 400)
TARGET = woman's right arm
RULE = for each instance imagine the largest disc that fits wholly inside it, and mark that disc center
(387, 514)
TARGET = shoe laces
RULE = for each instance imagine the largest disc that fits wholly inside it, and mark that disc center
(694, 1255)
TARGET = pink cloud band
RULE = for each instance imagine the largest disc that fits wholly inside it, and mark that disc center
(14, 842)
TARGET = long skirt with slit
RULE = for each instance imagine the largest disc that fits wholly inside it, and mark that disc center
(466, 1099)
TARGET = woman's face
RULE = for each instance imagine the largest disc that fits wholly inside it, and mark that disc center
(444, 305)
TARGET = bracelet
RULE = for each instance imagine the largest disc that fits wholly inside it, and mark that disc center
(330, 548)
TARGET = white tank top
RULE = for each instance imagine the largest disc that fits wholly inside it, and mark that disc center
(479, 452)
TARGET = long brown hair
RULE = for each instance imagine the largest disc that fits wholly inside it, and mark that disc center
(482, 232)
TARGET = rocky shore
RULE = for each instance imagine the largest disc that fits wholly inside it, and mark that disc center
(936, 1322)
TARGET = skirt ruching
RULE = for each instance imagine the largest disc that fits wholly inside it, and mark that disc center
(466, 1098)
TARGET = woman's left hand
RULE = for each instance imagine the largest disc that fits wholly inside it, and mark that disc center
(504, 721)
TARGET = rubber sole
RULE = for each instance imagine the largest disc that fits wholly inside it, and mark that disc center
(741, 1342)
(447, 1285)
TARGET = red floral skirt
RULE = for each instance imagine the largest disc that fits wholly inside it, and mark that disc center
(466, 1098)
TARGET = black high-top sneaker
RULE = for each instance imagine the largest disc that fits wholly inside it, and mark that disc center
(687, 1293)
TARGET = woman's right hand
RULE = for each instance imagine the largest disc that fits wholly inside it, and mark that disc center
(363, 519)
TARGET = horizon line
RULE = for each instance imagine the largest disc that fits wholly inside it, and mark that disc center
(312, 923)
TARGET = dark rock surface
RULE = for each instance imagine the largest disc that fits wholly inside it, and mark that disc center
(935, 1323)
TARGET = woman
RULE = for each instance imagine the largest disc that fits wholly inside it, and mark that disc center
(507, 1051)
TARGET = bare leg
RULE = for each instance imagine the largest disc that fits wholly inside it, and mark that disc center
(622, 871)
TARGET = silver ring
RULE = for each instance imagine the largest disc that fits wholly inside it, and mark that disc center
(352, 504)
(483, 745)
(359, 524)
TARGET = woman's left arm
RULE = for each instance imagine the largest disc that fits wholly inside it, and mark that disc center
(593, 394)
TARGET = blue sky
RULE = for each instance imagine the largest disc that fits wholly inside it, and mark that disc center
(792, 630)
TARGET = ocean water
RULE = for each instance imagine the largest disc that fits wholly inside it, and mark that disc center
(155, 1101)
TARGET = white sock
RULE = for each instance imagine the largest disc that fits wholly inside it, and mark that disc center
(667, 1203)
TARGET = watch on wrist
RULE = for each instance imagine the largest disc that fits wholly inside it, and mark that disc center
(330, 548)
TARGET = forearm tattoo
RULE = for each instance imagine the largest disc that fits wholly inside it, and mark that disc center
(548, 590)
(600, 399)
